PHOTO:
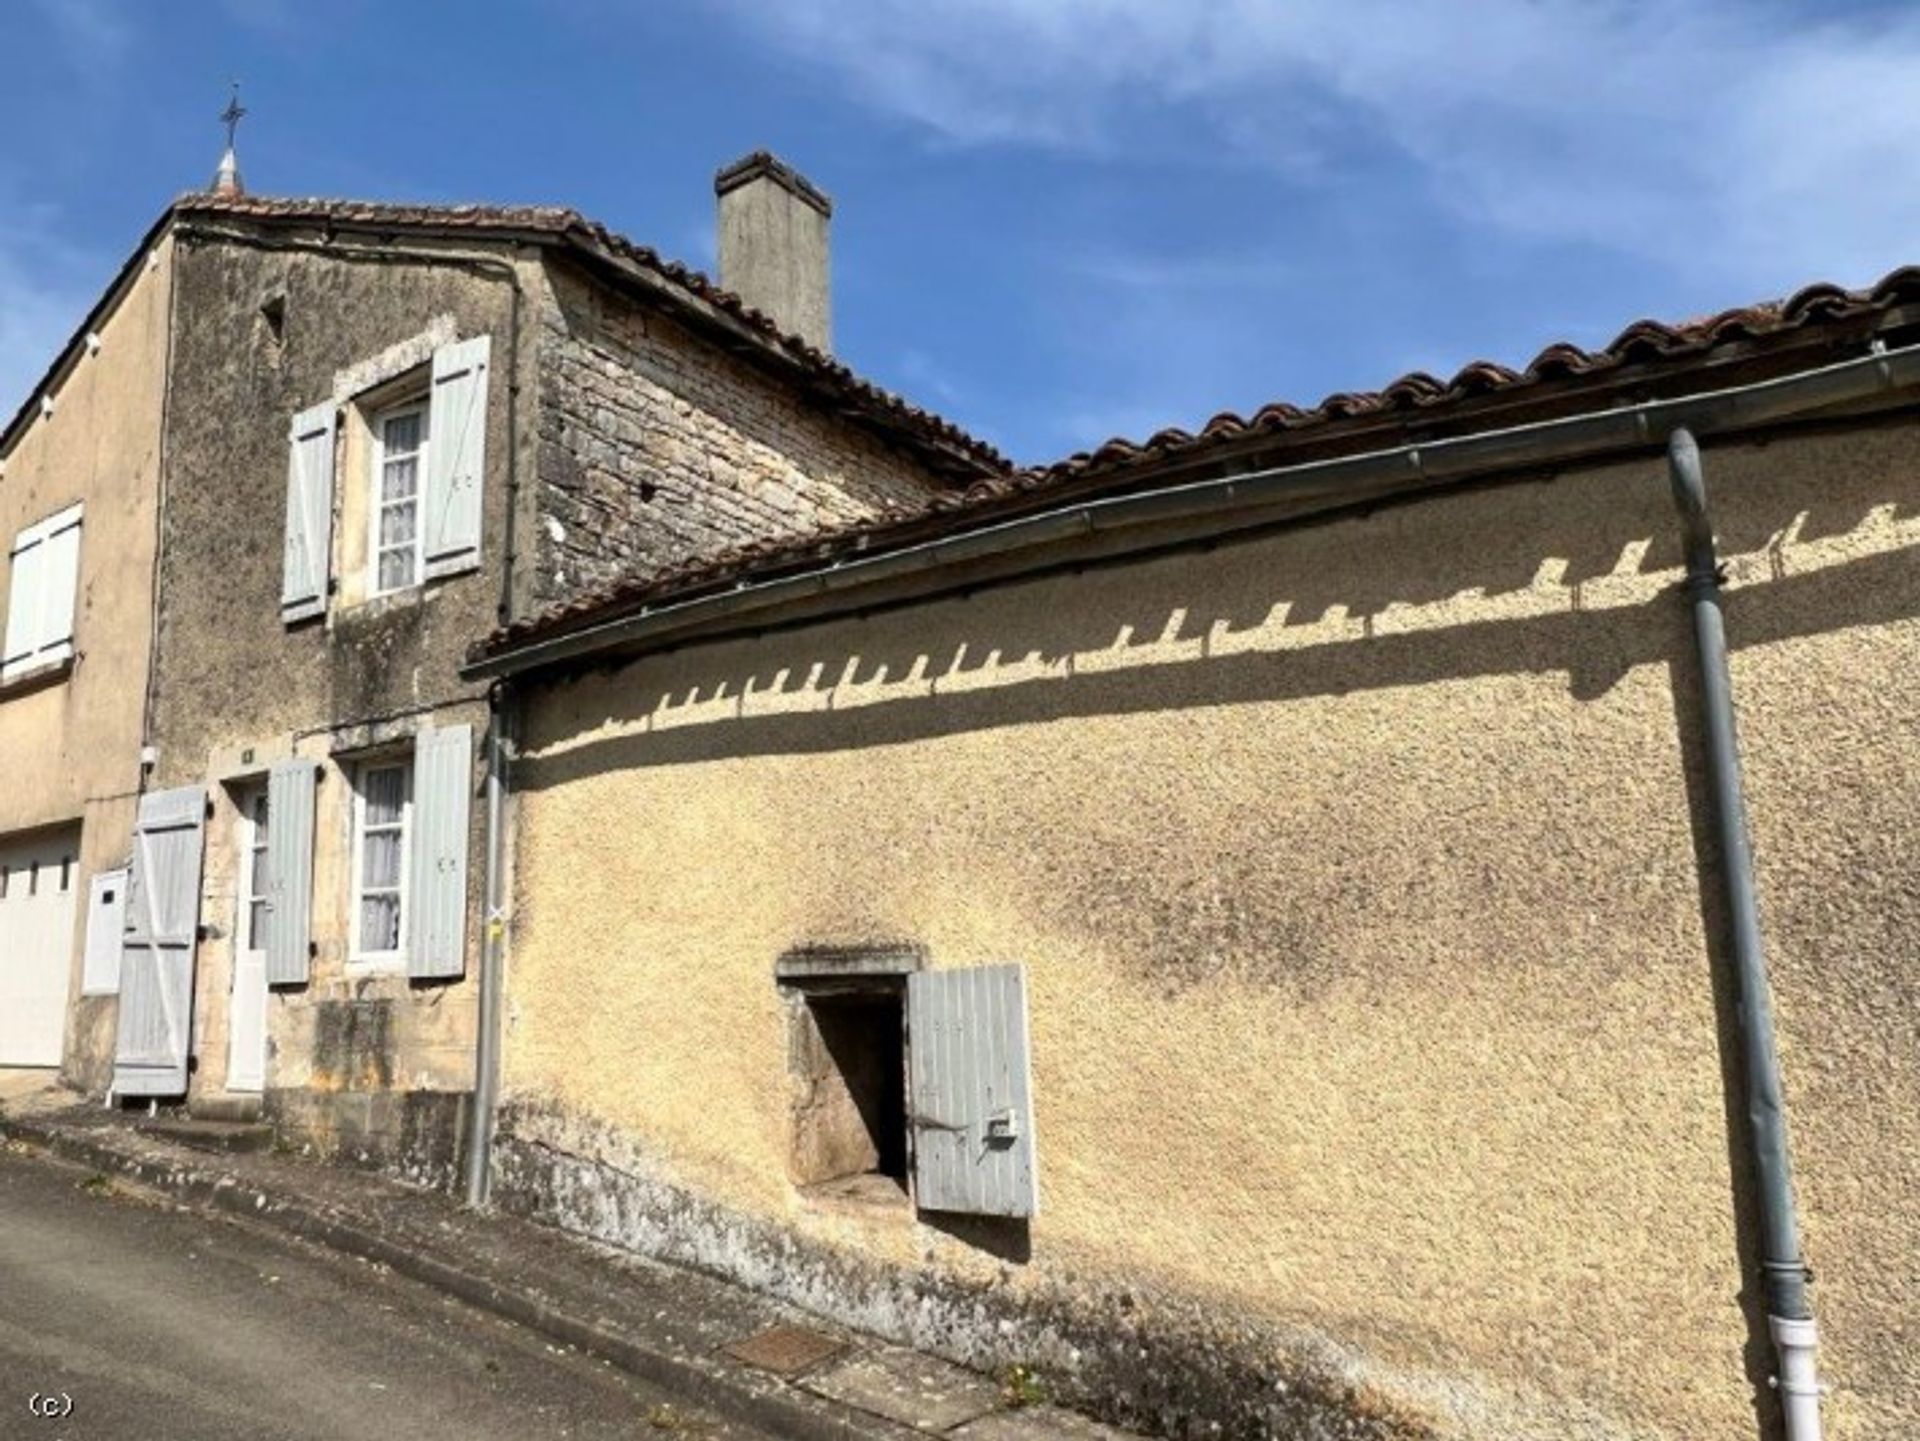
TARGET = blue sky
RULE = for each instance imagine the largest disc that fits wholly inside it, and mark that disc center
(1056, 220)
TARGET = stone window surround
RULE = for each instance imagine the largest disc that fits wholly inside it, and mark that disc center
(398, 376)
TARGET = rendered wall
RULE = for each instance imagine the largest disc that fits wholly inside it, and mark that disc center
(371, 1067)
(1382, 1034)
(75, 745)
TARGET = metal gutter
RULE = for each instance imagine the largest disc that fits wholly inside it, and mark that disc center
(1308, 489)
(1789, 1318)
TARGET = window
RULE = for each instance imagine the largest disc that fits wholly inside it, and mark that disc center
(847, 1050)
(254, 917)
(909, 1082)
(45, 577)
(399, 461)
(415, 485)
(850, 1116)
(382, 811)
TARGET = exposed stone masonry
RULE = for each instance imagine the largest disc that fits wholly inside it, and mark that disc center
(655, 446)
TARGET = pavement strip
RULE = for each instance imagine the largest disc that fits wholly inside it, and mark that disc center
(816, 1383)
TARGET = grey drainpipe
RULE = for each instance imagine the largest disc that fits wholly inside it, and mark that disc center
(486, 1051)
(1789, 1317)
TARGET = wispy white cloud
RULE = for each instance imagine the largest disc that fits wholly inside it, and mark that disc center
(92, 36)
(1746, 140)
(1162, 273)
(46, 285)
(925, 375)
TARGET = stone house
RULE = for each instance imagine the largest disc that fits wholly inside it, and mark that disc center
(1236, 923)
(342, 442)
(1232, 923)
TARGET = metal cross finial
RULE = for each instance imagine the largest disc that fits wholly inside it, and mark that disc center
(226, 180)
(232, 114)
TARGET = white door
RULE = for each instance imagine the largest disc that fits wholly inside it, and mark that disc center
(247, 1010)
(37, 883)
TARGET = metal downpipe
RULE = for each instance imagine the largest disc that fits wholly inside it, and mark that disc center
(486, 1051)
(1789, 1318)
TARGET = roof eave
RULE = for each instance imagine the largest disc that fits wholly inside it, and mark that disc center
(1235, 501)
(69, 354)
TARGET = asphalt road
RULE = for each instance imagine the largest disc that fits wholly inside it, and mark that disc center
(169, 1325)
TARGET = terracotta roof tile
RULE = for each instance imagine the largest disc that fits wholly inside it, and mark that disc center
(1115, 461)
(960, 452)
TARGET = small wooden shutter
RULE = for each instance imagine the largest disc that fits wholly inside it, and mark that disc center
(456, 455)
(442, 790)
(58, 582)
(971, 1099)
(106, 932)
(23, 600)
(303, 586)
(163, 919)
(290, 808)
(45, 578)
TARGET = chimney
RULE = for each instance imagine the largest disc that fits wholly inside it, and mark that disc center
(773, 244)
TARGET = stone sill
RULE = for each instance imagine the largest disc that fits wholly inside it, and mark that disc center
(38, 678)
(865, 1193)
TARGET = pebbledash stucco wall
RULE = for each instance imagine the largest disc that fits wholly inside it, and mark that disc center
(80, 737)
(1381, 1033)
(656, 446)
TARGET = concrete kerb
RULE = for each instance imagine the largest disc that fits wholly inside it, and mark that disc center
(735, 1393)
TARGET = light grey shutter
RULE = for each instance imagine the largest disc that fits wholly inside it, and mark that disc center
(290, 807)
(442, 790)
(163, 919)
(971, 1091)
(58, 582)
(106, 932)
(303, 586)
(456, 455)
(23, 600)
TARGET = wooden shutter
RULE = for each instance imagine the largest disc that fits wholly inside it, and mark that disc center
(23, 600)
(156, 970)
(58, 582)
(106, 932)
(45, 578)
(456, 455)
(437, 890)
(971, 1091)
(303, 586)
(291, 787)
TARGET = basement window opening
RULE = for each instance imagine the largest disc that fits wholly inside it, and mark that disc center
(848, 1061)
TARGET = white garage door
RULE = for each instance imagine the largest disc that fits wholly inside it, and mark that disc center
(38, 879)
